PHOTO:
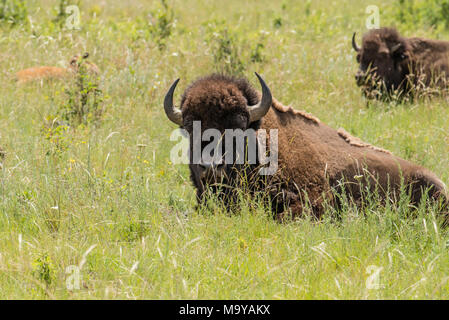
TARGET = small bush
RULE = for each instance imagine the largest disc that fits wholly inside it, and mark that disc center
(84, 104)
(61, 12)
(226, 52)
(55, 132)
(433, 13)
(43, 269)
(61, 15)
(257, 53)
(232, 53)
(161, 24)
(13, 12)
(277, 23)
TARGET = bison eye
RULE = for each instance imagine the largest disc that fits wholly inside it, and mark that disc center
(399, 56)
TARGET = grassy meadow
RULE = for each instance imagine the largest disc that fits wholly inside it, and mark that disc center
(97, 210)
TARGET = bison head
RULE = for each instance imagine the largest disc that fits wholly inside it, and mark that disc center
(220, 103)
(383, 62)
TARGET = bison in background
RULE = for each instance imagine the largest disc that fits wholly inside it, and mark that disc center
(394, 66)
(315, 162)
(47, 73)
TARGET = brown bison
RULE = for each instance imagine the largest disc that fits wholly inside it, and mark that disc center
(390, 64)
(47, 73)
(315, 162)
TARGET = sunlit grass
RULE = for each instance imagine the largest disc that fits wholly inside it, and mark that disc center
(113, 204)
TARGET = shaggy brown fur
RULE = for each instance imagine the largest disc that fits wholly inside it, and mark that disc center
(314, 159)
(47, 73)
(389, 62)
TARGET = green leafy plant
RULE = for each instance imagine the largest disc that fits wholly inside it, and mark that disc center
(433, 13)
(226, 53)
(13, 12)
(257, 55)
(277, 22)
(161, 24)
(61, 13)
(43, 269)
(85, 100)
(226, 48)
(233, 53)
(55, 132)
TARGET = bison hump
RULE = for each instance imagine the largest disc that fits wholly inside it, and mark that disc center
(357, 142)
(287, 109)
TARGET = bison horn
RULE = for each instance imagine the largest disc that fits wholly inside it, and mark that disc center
(257, 111)
(354, 45)
(173, 113)
(396, 47)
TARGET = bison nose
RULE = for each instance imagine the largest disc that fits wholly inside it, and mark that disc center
(205, 166)
(209, 167)
(360, 77)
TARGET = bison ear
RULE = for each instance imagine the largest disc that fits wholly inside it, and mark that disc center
(396, 47)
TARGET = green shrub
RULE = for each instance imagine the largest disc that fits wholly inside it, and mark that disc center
(433, 13)
(277, 22)
(13, 12)
(55, 132)
(61, 15)
(43, 269)
(257, 53)
(161, 24)
(226, 52)
(232, 52)
(84, 104)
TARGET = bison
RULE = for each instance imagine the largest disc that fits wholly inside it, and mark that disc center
(46, 72)
(316, 163)
(392, 65)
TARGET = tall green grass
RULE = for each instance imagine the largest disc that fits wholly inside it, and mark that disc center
(111, 203)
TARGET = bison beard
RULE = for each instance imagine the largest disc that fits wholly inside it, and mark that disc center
(315, 162)
(392, 65)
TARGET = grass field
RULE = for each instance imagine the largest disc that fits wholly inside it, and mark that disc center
(98, 211)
